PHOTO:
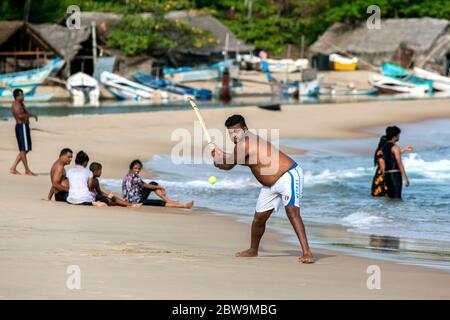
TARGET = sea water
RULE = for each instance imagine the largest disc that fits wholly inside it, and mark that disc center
(337, 207)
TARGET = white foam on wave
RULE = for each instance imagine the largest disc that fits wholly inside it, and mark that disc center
(327, 175)
(363, 220)
(115, 184)
(437, 170)
(220, 184)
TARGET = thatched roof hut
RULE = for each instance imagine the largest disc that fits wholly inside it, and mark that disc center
(105, 21)
(22, 47)
(380, 45)
(70, 42)
(207, 22)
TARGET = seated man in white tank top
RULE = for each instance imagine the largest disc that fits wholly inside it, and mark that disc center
(80, 179)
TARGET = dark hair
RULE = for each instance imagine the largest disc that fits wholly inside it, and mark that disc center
(235, 119)
(392, 132)
(65, 151)
(16, 93)
(135, 162)
(381, 143)
(95, 166)
(81, 158)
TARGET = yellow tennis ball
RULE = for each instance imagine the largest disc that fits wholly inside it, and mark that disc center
(212, 180)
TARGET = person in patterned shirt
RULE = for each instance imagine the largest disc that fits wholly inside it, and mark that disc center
(135, 190)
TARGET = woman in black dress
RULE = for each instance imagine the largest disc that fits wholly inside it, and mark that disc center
(387, 173)
(379, 189)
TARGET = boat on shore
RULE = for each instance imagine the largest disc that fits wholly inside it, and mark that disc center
(124, 89)
(172, 87)
(387, 85)
(27, 80)
(439, 83)
(401, 74)
(303, 88)
(340, 63)
(83, 89)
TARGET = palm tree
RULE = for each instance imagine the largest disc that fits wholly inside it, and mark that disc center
(26, 10)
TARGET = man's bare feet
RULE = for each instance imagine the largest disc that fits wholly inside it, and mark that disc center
(306, 258)
(190, 204)
(136, 205)
(99, 204)
(14, 171)
(30, 173)
(247, 253)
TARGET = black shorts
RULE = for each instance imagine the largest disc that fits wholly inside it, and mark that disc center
(23, 136)
(61, 196)
(154, 202)
(151, 202)
(101, 198)
(393, 182)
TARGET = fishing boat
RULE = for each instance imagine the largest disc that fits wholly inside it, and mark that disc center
(286, 65)
(348, 92)
(172, 87)
(83, 89)
(389, 85)
(341, 63)
(27, 80)
(193, 75)
(211, 72)
(303, 88)
(124, 89)
(401, 74)
(248, 61)
(440, 83)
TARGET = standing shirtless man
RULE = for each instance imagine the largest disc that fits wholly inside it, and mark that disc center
(281, 177)
(22, 116)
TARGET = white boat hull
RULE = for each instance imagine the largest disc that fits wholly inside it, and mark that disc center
(440, 83)
(125, 89)
(194, 75)
(84, 89)
(388, 85)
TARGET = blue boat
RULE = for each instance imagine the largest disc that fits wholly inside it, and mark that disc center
(172, 87)
(401, 74)
(27, 80)
(200, 73)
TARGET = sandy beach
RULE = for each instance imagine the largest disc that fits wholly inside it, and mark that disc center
(159, 253)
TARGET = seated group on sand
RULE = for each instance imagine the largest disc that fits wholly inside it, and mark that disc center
(80, 186)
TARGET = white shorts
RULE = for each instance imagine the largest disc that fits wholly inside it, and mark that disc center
(288, 188)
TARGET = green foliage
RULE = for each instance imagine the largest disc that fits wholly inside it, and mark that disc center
(272, 25)
(135, 34)
(9, 11)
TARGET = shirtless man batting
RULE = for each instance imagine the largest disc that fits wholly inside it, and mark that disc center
(22, 116)
(60, 184)
(281, 177)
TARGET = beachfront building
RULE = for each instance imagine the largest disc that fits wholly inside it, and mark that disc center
(409, 42)
(75, 45)
(22, 47)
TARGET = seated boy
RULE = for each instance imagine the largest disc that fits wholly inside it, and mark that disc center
(108, 198)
